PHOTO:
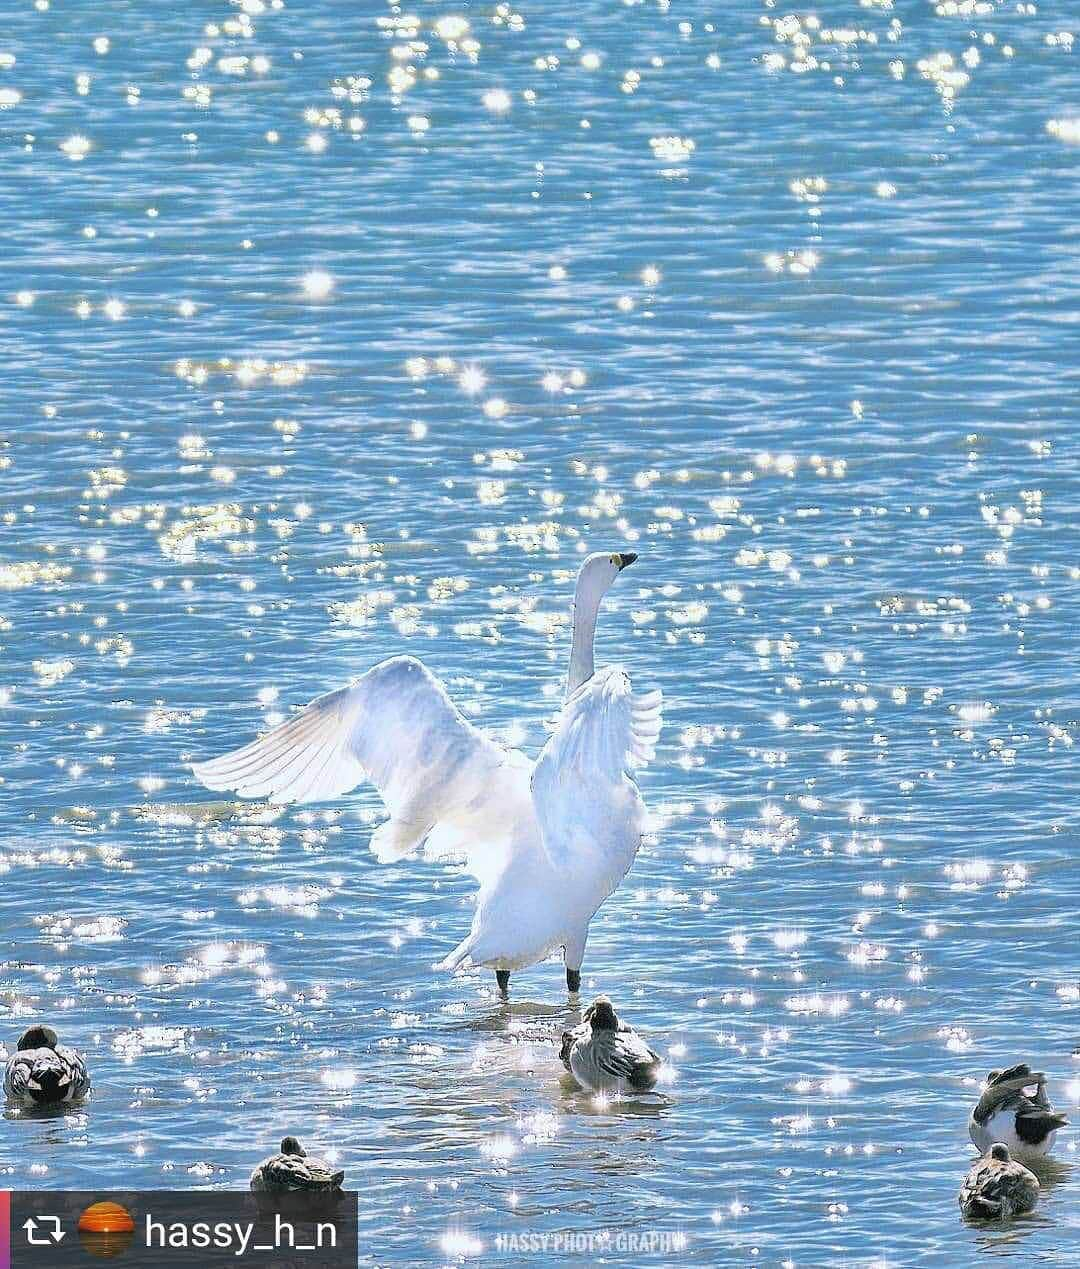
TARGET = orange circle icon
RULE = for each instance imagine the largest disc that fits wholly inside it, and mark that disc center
(106, 1229)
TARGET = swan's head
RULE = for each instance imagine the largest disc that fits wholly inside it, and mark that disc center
(38, 1038)
(599, 571)
(290, 1145)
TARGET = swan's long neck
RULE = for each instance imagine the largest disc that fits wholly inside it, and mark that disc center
(586, 607)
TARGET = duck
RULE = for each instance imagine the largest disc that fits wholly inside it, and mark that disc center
(606, 1055)
(292, 1170)
(1005, 1113)
(547, 840)
(43, 1072)
(998, 1187)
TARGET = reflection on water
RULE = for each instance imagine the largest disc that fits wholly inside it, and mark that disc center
(105, 1246)
(335, 331)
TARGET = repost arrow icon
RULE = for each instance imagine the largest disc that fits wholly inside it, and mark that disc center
(31, 1226)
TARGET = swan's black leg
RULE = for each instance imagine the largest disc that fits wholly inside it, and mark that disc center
(573, 980)
(502, 977)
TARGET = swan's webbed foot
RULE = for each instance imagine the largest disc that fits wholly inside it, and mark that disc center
(573, 980)
(502, 977)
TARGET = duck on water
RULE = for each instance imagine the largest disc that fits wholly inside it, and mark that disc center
(44, 1072)
(292, 1171)
(1006, 1113)
(606, 1055)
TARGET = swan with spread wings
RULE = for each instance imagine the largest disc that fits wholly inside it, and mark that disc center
(547, 841)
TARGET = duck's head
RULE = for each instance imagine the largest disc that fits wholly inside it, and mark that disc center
(1000, 1151)
(1019, 1072)
(1013, 1079)
(290, 1145)
(39, 1037)
(601, 1016)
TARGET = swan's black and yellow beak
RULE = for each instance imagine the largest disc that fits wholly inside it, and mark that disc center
(626, 560)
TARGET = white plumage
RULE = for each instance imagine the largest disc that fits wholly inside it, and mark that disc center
(547, 842)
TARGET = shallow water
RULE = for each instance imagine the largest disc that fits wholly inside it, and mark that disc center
(786, 306)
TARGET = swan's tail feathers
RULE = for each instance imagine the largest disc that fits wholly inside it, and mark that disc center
(460, 957)
(395, 839)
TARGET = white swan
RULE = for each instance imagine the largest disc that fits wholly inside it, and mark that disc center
(547, 841)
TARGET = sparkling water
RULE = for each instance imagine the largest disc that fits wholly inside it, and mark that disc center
(336, 330)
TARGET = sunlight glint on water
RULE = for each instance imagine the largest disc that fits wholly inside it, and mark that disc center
(332, 331)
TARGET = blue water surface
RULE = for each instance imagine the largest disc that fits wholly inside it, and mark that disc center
(334, 329)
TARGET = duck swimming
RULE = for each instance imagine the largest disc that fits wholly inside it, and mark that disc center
(997, 1187)
(547, 840)
(606, 1055)
(43, 1072)
(293, 1171)
(1005, 1113)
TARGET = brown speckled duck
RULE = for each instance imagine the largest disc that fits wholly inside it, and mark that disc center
(293, 1171)
(997, 1187)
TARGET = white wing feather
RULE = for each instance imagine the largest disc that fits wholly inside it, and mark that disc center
(604, 729)
(396, 726)
(587, 805)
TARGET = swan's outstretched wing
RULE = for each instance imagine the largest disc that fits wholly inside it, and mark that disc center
(583, 800)
(396, 726)
(604, 729)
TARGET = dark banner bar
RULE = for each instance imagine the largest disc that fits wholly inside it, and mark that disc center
(159, 1228)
